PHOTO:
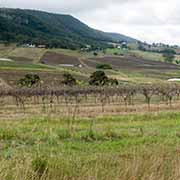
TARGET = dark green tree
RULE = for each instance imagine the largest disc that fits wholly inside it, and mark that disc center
(95, 54)
(29, 80)
(69, 80)
(98, 78)
(103, 66)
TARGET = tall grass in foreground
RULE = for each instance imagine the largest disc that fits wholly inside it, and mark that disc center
(147, 165)
(133, 147)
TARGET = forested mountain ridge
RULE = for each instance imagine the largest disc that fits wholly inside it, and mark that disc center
(23, 26)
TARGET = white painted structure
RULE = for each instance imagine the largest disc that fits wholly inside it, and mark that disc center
(174, 79)
(66, 65)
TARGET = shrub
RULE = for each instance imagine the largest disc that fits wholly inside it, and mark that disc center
(90, 136)
(29, 80)
(95, 54)
(98, 78)
(103, 66)
(177, 62)
(69, 80)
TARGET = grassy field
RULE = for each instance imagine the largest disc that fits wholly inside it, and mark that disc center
(93, 145)
(132, 147)
(16, 66)
(147, 55)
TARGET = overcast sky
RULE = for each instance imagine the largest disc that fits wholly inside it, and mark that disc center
(147, 20)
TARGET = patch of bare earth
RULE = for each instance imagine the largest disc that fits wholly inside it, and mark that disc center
(52, 58)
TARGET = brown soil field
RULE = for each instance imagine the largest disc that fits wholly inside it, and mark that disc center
(52, 58)
(132, 63)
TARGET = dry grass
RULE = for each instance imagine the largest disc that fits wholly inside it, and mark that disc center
(83, 110)
(132, 147)
(31, 53)
(158, 165)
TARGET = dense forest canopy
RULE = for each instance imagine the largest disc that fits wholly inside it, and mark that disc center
(53, 30)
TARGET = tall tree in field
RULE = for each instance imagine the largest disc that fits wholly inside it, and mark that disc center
(29, 80)
(69, 80)
(98, 78)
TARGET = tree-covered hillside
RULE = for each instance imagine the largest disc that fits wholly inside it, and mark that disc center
(54, 30)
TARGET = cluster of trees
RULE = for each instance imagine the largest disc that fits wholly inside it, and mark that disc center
(167, 52)
(98, 78)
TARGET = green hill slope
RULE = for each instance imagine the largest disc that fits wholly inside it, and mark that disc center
(17, 25)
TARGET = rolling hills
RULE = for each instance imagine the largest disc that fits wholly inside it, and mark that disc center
(65, 31)
(64, 35)
(50, 64)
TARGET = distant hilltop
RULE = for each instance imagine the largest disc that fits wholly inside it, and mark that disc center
(55, 30)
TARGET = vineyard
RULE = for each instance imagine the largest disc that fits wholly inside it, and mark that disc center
(89, 101)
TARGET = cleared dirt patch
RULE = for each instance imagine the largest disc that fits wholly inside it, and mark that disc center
(52, 58)
(132, 63)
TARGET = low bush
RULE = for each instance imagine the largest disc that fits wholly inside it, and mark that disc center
(103, 66)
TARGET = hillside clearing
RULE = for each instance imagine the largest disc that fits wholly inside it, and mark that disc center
(52, 58)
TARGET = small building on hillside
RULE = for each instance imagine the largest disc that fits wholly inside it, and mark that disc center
(41, 46)
(174, 80)
(29, 45)
(66, 65)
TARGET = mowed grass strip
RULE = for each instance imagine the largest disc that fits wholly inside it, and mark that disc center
(16, 66)
(120, 147)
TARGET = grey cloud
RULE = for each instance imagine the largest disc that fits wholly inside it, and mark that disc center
(73, 6)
